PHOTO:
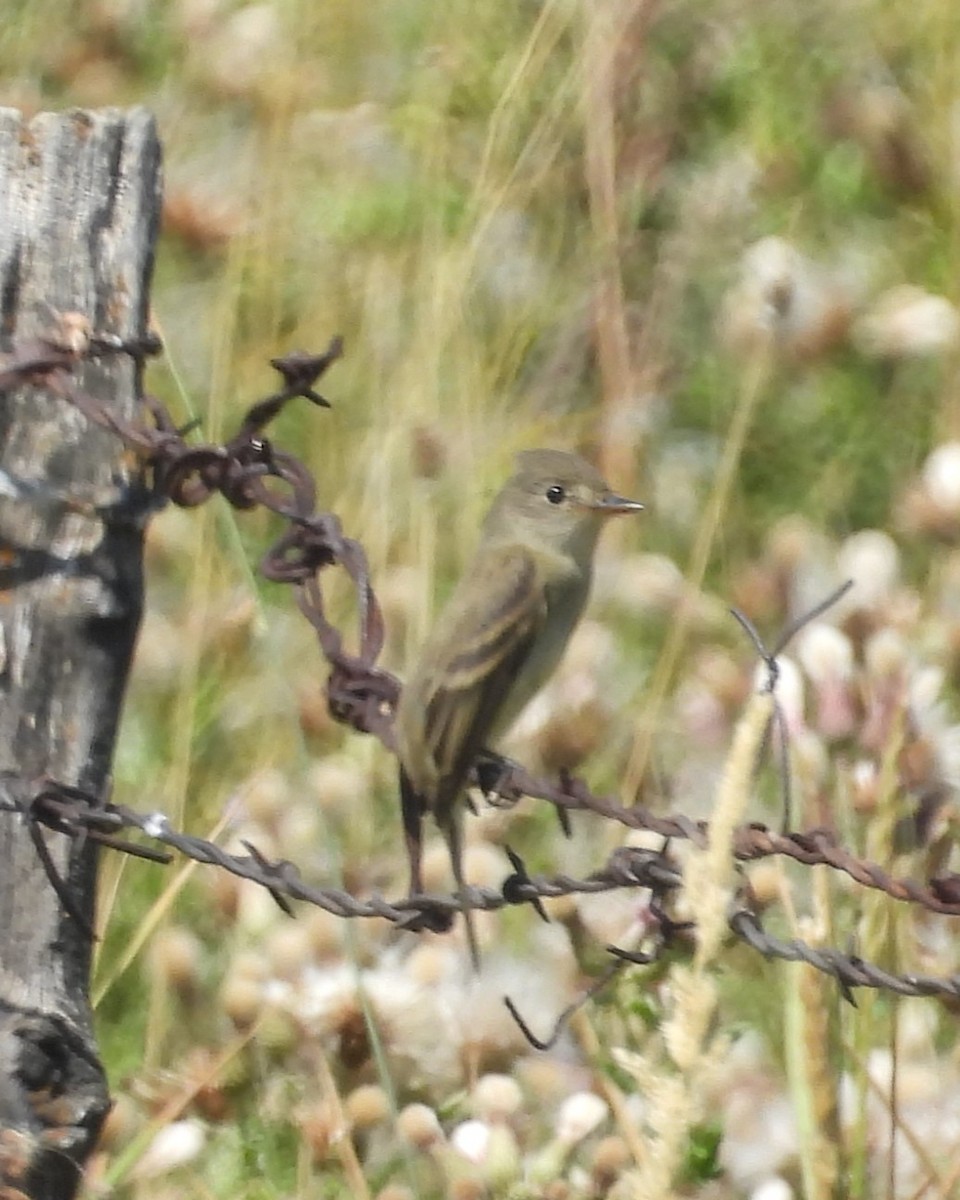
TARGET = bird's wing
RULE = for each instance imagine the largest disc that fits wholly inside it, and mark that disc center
(484, 648)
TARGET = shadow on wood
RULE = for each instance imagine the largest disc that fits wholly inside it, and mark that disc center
(80, 197)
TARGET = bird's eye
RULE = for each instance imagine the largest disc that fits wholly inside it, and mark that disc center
(556, 494)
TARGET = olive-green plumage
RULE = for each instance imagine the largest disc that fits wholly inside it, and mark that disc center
(500, 636)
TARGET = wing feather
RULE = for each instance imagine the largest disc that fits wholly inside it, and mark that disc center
(481, 649)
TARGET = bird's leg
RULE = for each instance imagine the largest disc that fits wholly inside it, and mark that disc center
(453, 832)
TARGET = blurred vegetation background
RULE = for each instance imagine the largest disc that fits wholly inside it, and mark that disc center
(711, 243)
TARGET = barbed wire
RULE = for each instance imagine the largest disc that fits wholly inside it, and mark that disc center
(69, 810)
(249, 472)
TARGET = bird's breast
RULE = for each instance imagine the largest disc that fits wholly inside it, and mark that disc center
(563, 604)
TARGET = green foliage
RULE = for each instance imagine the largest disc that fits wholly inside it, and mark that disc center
(702, 1162)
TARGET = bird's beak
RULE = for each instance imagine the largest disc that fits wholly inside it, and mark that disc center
(611, 504)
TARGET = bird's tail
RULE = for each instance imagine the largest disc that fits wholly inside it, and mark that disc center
(411, 806)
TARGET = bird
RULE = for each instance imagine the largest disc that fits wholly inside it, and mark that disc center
(497, 640)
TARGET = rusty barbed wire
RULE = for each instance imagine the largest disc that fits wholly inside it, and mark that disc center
(249, 471)
(70, 811)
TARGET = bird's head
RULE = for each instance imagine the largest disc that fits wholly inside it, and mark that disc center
(555, 501)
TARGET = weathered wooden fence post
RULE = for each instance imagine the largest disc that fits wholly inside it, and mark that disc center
(79, 213)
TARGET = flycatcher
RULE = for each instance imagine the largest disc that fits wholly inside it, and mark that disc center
(499, 639)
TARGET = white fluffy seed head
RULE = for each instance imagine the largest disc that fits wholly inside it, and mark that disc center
(825, 652)
(863, 785)
(176, 956)
(774, 1188)
(907, 322)
(579, 1116)
(367, 1105)
(242, 999)
(496, 1097)
(174, 1146)
(941, 477)
(784, 296)
(885, 654)
(872, 560)
(471, 1139)
(419, 1125)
